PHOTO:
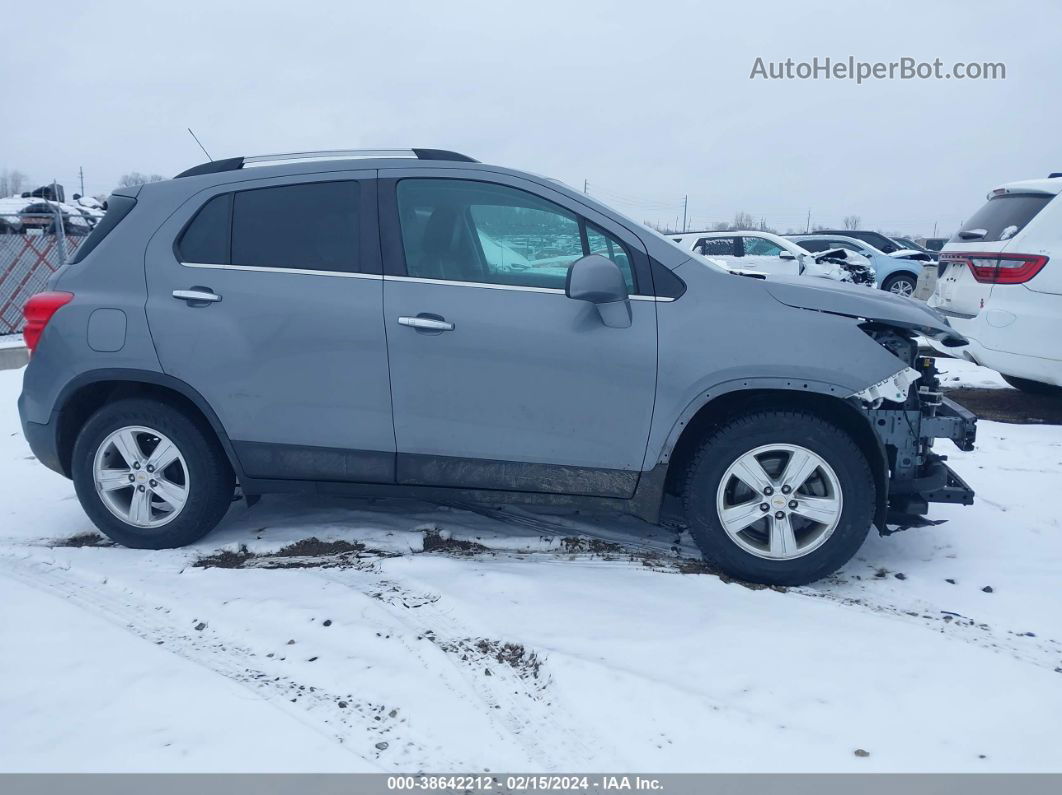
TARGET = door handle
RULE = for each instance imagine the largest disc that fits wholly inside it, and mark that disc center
(197, 295)
(426, 323)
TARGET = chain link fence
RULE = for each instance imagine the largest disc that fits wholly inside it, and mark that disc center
(26, 262)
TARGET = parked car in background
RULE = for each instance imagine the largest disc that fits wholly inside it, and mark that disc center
(897, 275)
(763, 252)
(1002, 286)
(10, 215)
(35, 215)
(876, 239)
(332, 323)
(906, 243)
(934, 243)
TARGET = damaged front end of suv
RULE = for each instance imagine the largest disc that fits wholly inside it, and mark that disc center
(908, 413)
(907, 410)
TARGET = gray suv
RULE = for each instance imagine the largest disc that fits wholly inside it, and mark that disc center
(416, 323)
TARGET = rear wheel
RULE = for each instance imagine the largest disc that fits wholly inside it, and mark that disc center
(1033, 387)
(900, 284)
(779, 497)
(149, 477)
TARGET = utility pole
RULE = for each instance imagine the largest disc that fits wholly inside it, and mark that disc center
(685, 200)
(934, 229)
(807, 228)
(81, 175)
(586, 186)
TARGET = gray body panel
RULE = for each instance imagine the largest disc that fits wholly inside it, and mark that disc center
(284, 358)
(852, 301)
(526, 376)
(737, 336)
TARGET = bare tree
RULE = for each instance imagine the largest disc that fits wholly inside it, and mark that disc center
(11, 182)
(743, 220)
(136, 178)
(852, 221)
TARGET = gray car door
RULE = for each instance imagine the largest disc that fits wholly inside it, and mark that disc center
(499, 381)
(265, 296)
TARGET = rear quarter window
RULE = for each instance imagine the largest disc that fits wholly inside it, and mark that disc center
(118, 207)
(1002, 217)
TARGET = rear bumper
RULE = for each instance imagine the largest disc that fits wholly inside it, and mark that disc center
(1016, 333)
(42, 439)
(1034, 368)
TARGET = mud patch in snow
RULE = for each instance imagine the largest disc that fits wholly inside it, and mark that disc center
(483, 652)
(435, 541)
(88, 539)
(308, 553)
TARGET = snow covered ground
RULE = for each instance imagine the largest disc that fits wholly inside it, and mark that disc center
(553, 642)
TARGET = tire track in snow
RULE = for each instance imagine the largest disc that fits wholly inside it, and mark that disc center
(526, 712)
(1041, 652)
(314, 707)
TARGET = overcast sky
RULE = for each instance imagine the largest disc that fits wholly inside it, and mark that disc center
(647, 101)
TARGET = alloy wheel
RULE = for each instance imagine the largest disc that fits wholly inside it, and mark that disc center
(902, 287)
(779, 501)
(141, 476)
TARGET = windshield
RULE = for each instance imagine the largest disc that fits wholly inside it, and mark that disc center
(1002, 217)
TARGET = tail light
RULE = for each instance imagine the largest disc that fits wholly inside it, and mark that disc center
(999, 268)
(38, 311)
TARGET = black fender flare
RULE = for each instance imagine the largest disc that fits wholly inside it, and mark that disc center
(153, 378)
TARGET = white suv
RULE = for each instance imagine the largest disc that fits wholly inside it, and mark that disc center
(1000, 286)
(764, 252)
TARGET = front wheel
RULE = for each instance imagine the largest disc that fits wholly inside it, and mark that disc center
(149, 476)
(779, 497)
(900, 284)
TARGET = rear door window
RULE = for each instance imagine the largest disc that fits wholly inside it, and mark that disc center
(312, 227)
(718, 247)
(1002, 217)
(307, 227)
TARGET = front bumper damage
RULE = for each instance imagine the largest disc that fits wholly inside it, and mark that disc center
(919, 475)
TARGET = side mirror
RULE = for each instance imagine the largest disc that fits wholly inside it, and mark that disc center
(786, 255)
(599, 281)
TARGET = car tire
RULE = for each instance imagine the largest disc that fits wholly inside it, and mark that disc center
(900, 284)
(834, 503)
(169, 505)
(1033, 387)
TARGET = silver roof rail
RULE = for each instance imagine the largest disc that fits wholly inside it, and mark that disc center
(327, 154)
(235, 163)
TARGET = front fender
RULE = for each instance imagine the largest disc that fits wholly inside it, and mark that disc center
(741, 385)
(730, 333)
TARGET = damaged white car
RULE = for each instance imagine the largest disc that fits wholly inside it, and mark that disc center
(766, 253)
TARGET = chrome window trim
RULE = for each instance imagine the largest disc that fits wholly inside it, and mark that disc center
(301, 271)
(511, 287)
(485, 285)
(411, 279)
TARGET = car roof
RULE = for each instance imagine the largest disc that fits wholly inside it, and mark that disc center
(820, 235)
(1052, 185)
(324, 156)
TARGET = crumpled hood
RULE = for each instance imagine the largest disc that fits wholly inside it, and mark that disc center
(821, 295)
